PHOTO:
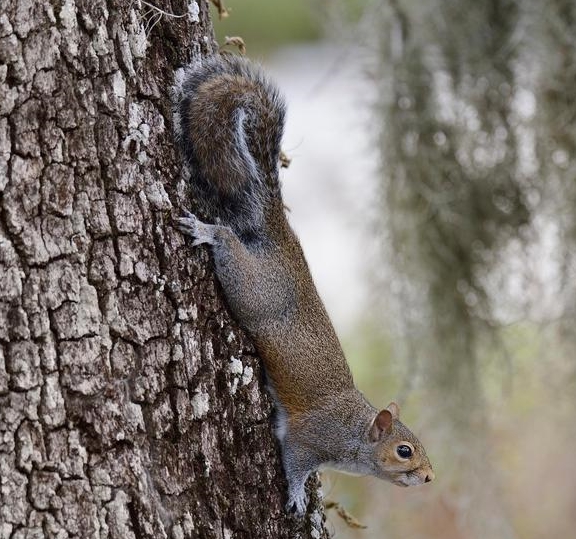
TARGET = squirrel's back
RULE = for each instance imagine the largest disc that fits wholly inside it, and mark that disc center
(229, 122)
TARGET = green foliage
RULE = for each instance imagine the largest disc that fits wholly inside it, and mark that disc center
(370, 355)
(265, 25)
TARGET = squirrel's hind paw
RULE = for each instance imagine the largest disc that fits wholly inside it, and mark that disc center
(193, 227)
(297, 504)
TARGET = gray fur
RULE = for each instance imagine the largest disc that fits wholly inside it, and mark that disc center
(230, 122)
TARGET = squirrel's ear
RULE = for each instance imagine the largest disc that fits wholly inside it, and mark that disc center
(382, 425)
(394, 409)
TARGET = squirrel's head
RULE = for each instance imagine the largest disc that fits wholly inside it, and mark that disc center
(398, 455)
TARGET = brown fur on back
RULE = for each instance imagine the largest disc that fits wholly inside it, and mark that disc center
(302, 353)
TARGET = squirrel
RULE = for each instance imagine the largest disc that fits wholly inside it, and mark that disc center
(229, 121)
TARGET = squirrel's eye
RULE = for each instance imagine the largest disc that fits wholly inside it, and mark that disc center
(404, 452)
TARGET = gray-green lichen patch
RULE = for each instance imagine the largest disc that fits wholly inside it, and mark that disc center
(200, 404)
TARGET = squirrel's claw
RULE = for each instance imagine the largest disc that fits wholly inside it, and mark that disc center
(196, 229)
(297, 505)
(187, 224)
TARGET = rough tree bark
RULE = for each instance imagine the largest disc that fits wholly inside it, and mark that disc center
(131, 405)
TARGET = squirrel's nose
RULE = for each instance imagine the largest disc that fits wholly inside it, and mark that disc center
(429, 477)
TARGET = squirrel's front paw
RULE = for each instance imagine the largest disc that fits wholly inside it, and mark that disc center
(297, 503)
(192, 226)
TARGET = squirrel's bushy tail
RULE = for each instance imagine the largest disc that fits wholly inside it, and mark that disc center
(229, 122)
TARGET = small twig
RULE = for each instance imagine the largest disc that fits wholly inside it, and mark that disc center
(222, 11)
(162, 12)
(154, 15)
(235, 41)
(350, 520)
(152, 22)
(284, 160)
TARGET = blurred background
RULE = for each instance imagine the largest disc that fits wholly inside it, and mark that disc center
(433, 186)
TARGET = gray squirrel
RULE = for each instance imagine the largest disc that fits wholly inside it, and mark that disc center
(229, 121)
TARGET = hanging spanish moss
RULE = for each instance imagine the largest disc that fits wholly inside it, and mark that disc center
(478, 192)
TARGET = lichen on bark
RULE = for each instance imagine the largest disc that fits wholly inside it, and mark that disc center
(131, 405)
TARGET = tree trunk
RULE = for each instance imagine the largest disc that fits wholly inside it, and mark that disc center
(131, 405)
